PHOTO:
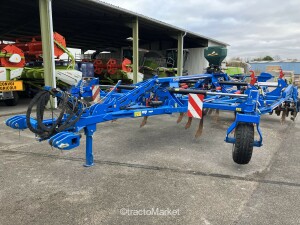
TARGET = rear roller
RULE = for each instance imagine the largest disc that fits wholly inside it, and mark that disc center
(243, 147)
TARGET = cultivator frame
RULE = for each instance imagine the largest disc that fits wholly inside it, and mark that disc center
(159, 96)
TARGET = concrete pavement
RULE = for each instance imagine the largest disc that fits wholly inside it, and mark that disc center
(160, 166)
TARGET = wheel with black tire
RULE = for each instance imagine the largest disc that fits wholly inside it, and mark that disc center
(243, 147)
(14, 101)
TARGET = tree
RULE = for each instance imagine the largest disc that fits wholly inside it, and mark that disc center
(267, 58)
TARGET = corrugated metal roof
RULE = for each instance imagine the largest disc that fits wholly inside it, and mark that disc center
(146, 18)
(288, 66)
(92, 24)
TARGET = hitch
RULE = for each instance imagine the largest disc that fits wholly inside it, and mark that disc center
(65, 140)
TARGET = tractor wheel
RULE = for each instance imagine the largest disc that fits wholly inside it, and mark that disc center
(14, 101)
(243, 147)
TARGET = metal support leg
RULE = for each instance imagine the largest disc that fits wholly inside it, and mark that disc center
(180, 54)
(135, 35)
(45, 7)
(89, 157)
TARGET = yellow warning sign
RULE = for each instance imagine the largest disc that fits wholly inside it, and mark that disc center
(11, 86)
(137, 114)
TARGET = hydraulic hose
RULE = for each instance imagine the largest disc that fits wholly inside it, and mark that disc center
(45, 131)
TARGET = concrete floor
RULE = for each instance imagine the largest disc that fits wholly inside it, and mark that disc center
(160, 166)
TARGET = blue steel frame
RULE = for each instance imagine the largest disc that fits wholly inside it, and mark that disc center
(132, 103)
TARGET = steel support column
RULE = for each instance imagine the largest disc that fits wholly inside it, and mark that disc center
(180, 54)
(135, 43)
(45, 7)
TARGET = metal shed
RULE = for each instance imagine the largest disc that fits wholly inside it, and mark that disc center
(289, 66)
(93, 24)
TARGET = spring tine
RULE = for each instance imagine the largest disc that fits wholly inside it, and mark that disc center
(293, 114)
(189, 122)
(180, 117)
(200, 128)
(216, 116)
(143, 123)
(210, 111)
(205, 111)
(283, 116)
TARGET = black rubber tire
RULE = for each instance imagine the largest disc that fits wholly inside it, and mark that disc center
(14, 101)
(243, 147)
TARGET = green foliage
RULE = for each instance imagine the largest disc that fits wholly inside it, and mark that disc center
(267, 58)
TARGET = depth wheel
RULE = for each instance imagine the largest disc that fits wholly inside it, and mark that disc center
(243, 147)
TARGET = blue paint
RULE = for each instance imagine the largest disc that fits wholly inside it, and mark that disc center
(166, 98)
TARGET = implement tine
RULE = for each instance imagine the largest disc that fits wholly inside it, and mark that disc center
(283, 117)
(189, 122)
(144, 122)
(200, 128)
(216, 116)
(180, 117)
(210, 111)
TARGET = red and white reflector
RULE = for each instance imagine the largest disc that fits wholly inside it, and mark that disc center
(195, 105)
(96, 93)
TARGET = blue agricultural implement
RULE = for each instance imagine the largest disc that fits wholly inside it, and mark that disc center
(89, 103)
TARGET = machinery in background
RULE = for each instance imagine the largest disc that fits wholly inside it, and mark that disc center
(155, 62)
(106, 66)
(21, 67)
(109, 67)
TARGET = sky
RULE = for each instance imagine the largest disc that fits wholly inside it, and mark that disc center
(253, 28)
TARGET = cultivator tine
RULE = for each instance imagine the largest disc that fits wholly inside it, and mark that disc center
(205, 111)
(144, 122)
(200, 128)
(216, 115)
(210, 111)
(189, 122)
(180, 117)
(283, 117)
